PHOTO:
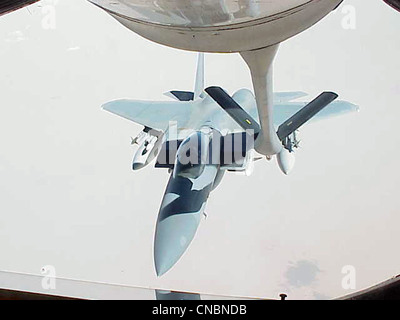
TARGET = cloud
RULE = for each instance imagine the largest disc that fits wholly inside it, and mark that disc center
(303, 273)
(15, 36)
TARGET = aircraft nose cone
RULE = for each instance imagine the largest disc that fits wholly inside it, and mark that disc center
(137, 166)
(180, 213)
(173, 236)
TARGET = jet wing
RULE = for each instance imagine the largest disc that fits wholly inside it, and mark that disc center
(282, 112)
(153, 114)
(284, 108)
(158, 114)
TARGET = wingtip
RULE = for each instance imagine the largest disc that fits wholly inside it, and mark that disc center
(334, 94)
(108, 106)
(104, 105)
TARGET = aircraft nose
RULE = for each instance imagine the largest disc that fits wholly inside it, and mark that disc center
(173, 236)
(180, 214)
(137, 166)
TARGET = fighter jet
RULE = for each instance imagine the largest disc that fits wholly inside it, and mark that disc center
(201, 135)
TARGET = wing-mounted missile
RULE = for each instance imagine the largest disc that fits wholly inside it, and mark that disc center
(149, 141)
(287, 130)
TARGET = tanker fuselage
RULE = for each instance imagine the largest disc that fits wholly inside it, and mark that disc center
(223, 26)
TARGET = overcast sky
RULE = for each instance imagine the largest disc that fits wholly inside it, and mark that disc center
(68, 196)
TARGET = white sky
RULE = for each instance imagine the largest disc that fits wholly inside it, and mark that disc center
(68, 197)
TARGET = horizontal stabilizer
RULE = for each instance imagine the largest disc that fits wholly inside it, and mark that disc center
(305, 114)
(236, 112)
(182, 95)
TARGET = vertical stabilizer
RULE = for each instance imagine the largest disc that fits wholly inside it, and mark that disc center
(199, 85)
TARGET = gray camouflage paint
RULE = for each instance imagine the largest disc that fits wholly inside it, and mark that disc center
(180, 214)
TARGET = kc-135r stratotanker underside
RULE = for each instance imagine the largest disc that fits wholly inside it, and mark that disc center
(204, 133)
